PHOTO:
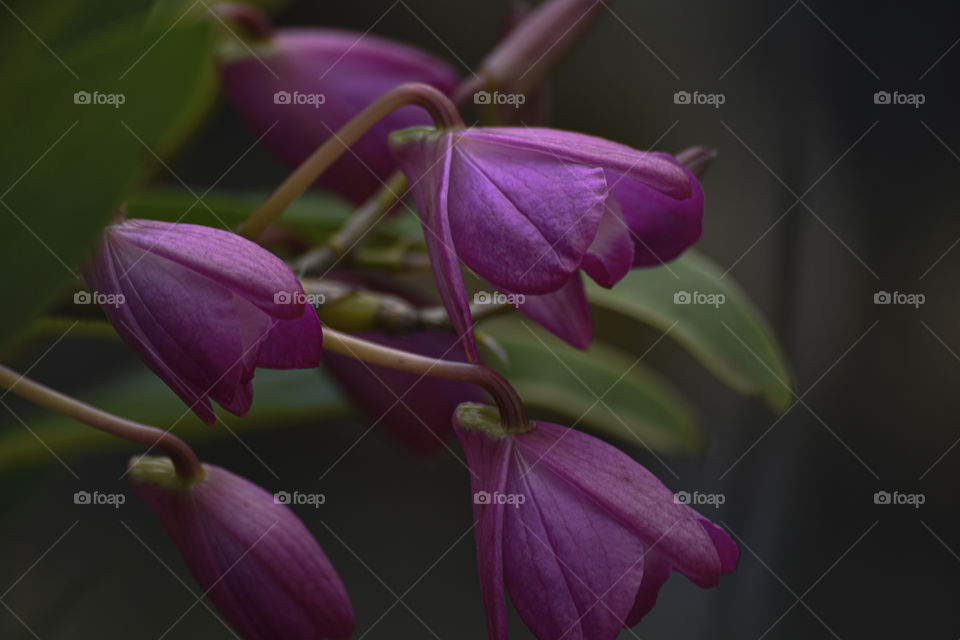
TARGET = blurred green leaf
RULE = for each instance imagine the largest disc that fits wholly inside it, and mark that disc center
(280, 398)
(72, 150)
(603, 388)
(731, 339)
(314, 216)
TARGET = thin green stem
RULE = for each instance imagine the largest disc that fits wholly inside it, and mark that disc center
(184, 459)
(512, 412)
(318, 261)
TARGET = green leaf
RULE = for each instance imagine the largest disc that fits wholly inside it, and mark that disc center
(731, 339)
(281, 398)
(66, 165)
(315, 215)
(602, 388)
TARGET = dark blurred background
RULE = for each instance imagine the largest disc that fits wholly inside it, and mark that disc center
(877, 213)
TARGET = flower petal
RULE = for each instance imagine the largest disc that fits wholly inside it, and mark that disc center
(653, 169)
(488, 461)
(662, 227)
(426, 162)
(630, 494)
(564, 313)
(101, 274)
(572, 569)
(523, 220)
(293, 344)
(193, 323)
(611, 254)
(227, 259)
(656, 572)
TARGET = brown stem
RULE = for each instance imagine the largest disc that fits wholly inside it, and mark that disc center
(184, 459)
(512, 412)
(443, 112)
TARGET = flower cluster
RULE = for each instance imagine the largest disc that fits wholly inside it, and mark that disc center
(580, 535)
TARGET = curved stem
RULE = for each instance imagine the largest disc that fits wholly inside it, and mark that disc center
(184, 459)
(318, 261)
(512, 412)
(444, 115)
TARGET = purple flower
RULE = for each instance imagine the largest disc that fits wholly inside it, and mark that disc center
(302, 85)
(582, 536)
(415, 409)
(203, 308)
(527, 209)
(253, 558)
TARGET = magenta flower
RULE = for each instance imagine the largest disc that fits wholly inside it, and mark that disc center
(582, 536)
(304, 84)
(203, 308)
(527, 209)
(253, 558)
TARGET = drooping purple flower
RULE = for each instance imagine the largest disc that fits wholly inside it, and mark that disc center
(581, 535)
(415, 409)
(253, 558)
(528, 208)
(301, 85)
(203, 308)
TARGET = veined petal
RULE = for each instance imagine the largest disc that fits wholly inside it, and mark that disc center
(293, 344)
(488, 459)
(630, 494)
(101, 274)
(656, 572)
(661, 227)
(611, 254)
(522, 220)
(230, 260)
(564, 313)
(572, 569)
(193, 322)
(426, 162)
(653, 169)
